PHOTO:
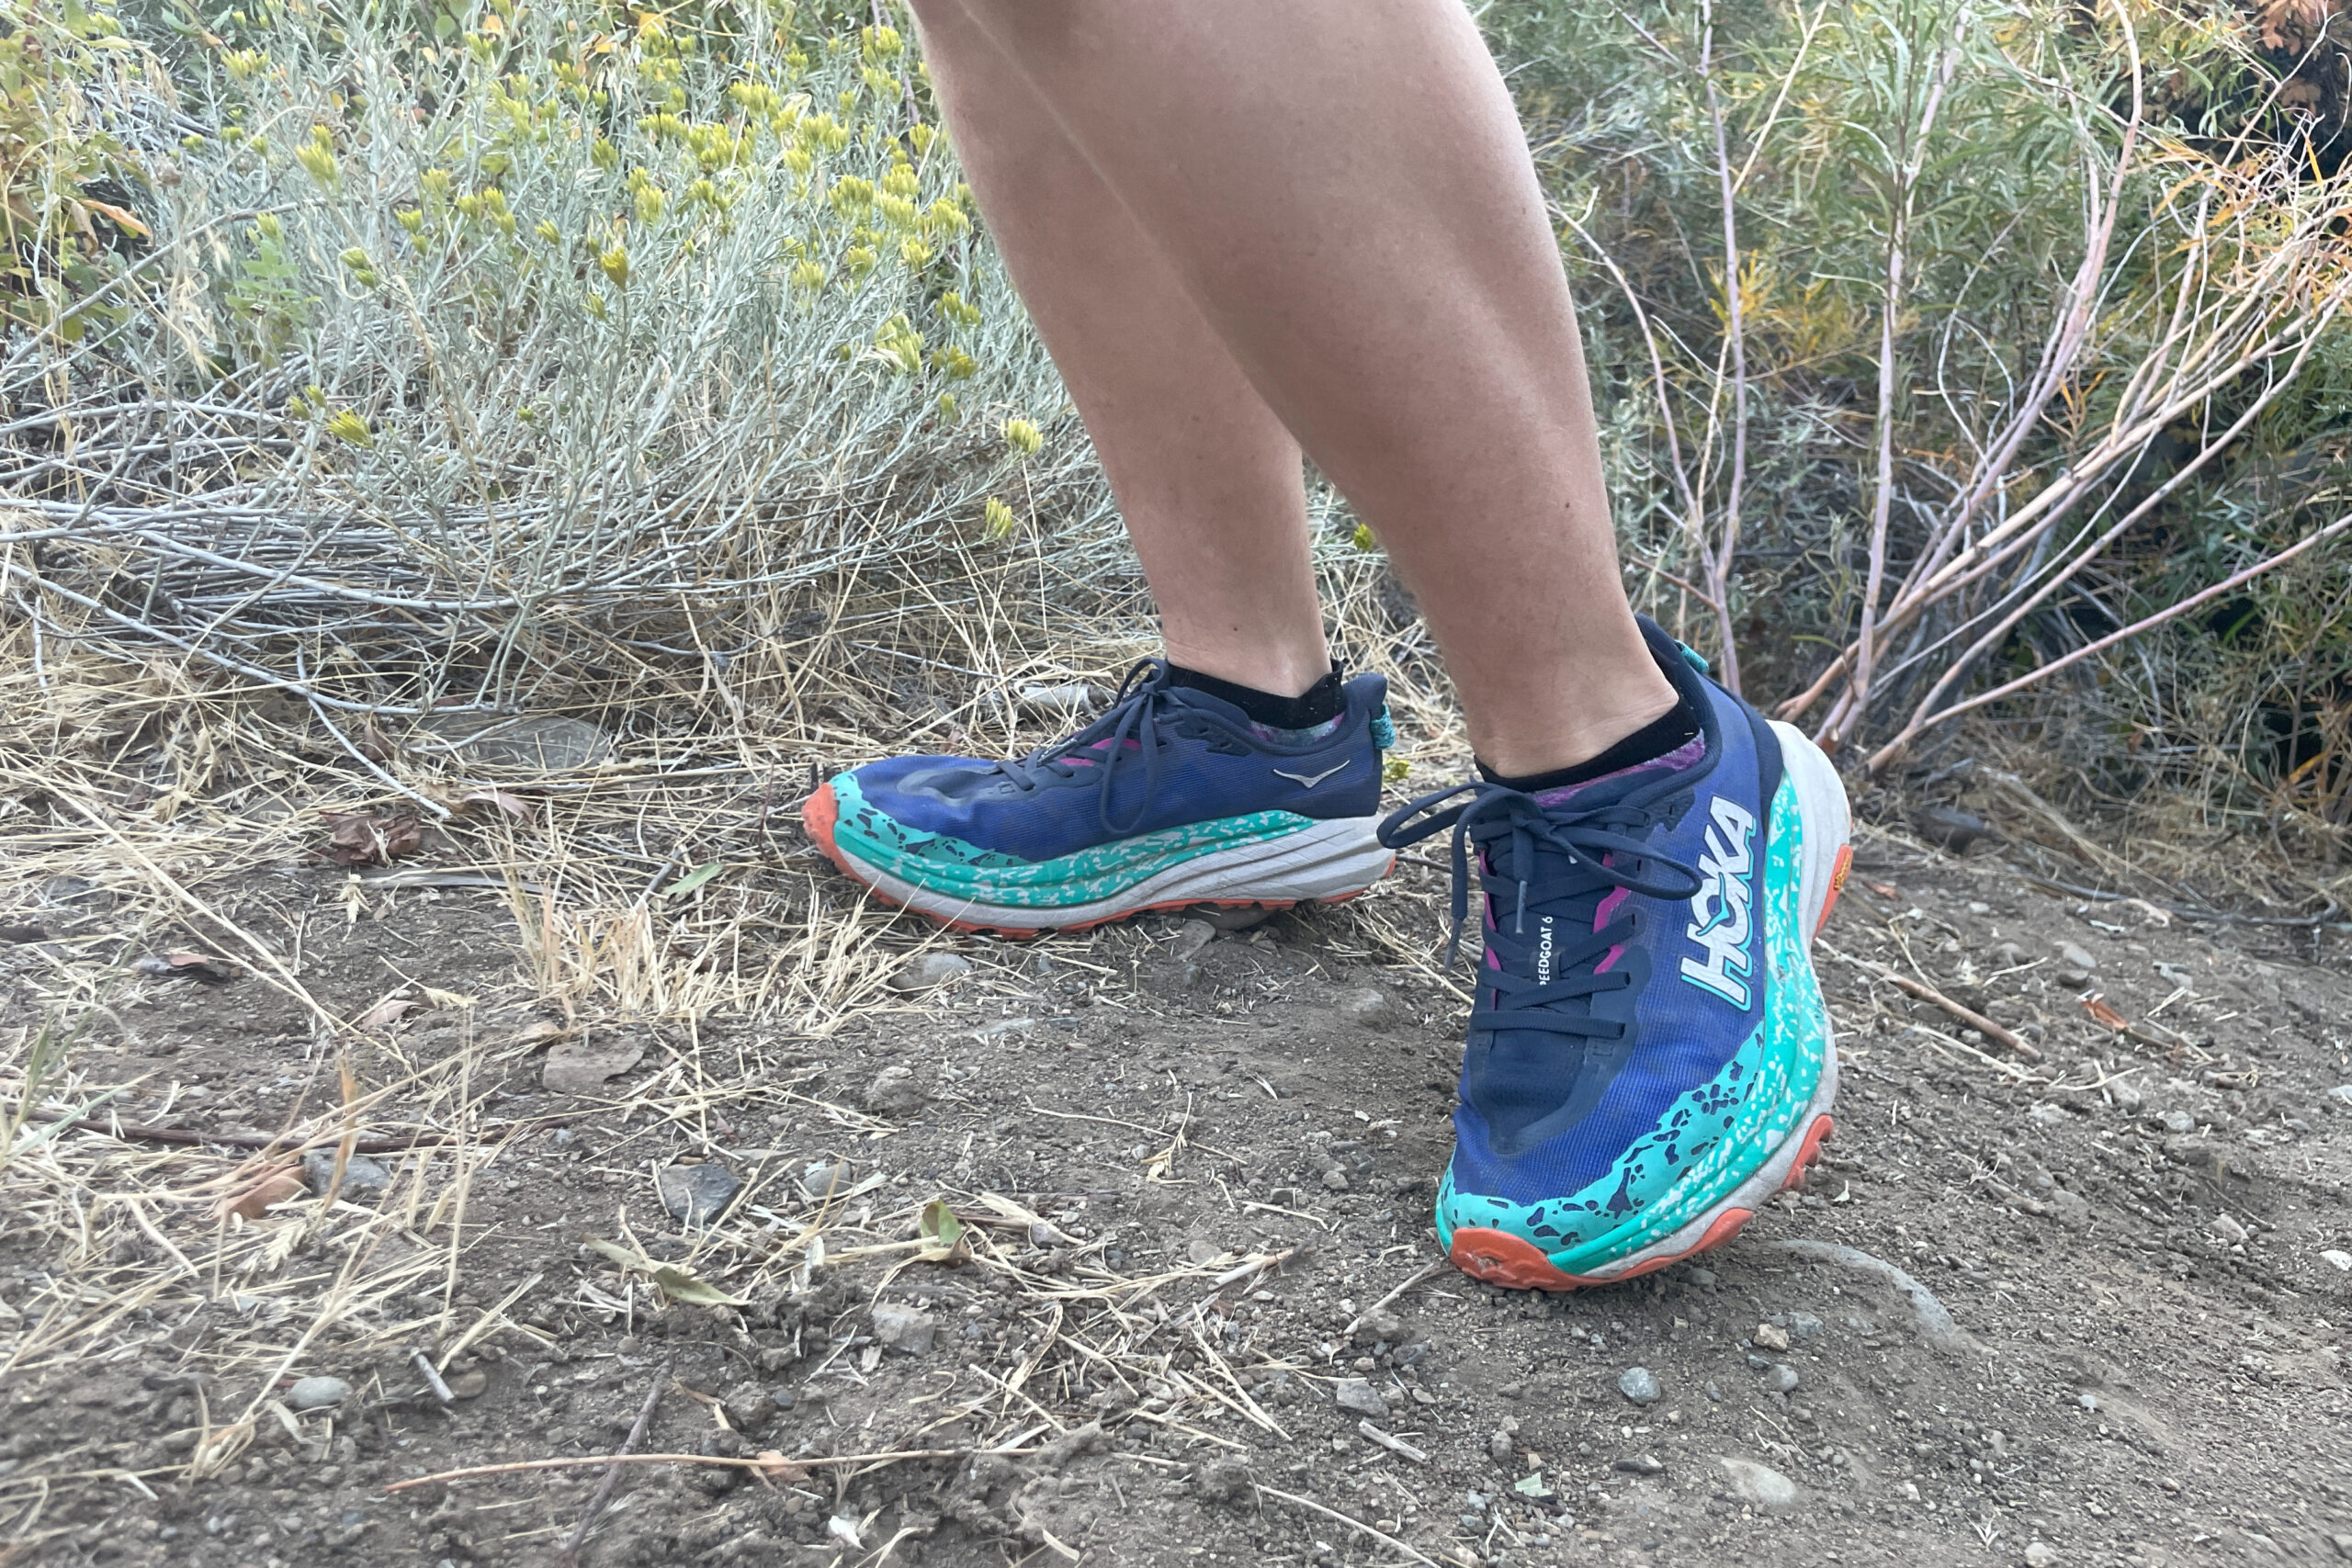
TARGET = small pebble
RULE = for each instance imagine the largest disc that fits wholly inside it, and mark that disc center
(1805, 1325)
(469, 1384)
(928, 970)
(1772, 1337)
(361, 1175)
(2040, 1554)
(2179, 1122)
(1368, 1007)
(828, 1179)
(2087, 1401)
(2074, 955)
(698, 1194)
(749, 1407)
(1642, 1465)
(317, 1394)
(1223, 1481)
(1783, 1377)
(1761, 1484)
(895, 1092)
(1640, 1386)
(1358, 1395)
(907, 1328)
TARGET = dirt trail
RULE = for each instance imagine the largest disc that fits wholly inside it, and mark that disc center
(2073, 1311)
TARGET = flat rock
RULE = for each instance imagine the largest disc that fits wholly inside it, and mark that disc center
(542, 742)
(1640, 1386)
(928, 972)
(904, 1328)
(317, 1394)
(581, 1066)
(1760, 1484)
(1360, 1396)
(698, 1194)
(2074, 955)
(362, 1176)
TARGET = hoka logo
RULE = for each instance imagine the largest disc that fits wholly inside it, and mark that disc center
(1721, 920)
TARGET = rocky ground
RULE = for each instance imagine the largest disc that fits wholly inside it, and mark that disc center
(1176, 1305)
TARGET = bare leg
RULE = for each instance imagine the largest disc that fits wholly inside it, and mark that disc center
(1343, 188)
(1208, 479)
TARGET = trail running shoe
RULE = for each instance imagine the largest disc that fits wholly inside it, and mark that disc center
(1171, 797)
(1650, 1057)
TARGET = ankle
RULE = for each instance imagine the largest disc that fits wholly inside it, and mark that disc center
(1569, 742)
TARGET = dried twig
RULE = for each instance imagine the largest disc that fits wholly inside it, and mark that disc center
(1308, 1503)
(1934, 997)
(595, 1508)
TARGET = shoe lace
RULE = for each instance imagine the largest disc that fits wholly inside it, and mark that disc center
(1541, 856)
(1133, 715)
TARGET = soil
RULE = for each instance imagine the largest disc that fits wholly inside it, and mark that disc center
(2145, 1361)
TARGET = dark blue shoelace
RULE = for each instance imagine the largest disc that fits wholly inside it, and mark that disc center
(1540, 858)
(1132, 715)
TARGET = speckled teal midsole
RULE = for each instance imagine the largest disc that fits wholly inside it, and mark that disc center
(1267, 855)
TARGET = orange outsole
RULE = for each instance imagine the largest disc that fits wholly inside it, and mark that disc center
(1515, 1263)
(822, 810)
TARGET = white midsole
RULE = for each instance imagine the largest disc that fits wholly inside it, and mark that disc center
(1324, 860)
(1829, 824)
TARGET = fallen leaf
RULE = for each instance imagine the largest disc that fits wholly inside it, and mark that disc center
(540, 1030)
(456, 1000)
(674, 1283)
(363, 838)
(773, 1466)
(277, 1187)
(514, 806)
(1532, 1485)
(386, 1013)
(943, 1235)
(681, 1286)
(2102, 1013)
(618, 1253)
(1885, 890)
(692, 880)
(184, 966)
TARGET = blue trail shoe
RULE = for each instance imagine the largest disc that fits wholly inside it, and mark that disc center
(1171, 797)
(1650, 1057)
